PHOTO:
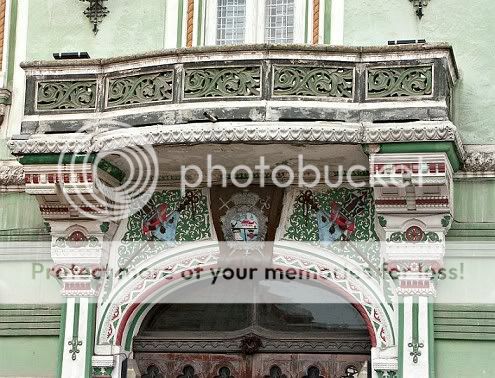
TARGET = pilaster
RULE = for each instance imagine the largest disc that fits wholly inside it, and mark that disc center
(413, 197)
(79, 250)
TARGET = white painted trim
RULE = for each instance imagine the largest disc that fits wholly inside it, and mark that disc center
(171, 21)
(310, 22)
(408, 367)
(423, 362)
(19, 82)
(254, 32)
(337, 27)
(210, 22)
(195, 23)
(6, 44)
(69, 327)
(299, 21)
(82, 332)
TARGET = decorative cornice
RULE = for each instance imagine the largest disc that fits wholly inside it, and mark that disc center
(242, 132)
(425, 131)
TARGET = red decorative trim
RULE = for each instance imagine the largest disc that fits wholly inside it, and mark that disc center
(390, 202)
(432, 201)
(156, 287)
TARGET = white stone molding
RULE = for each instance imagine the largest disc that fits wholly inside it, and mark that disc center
(241, 132)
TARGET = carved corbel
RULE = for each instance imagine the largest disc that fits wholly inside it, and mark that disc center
(11, 176)
(5, 97)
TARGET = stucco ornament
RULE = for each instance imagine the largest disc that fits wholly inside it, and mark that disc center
(479, 161)
(11, 175)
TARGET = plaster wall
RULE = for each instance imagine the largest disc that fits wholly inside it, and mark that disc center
(28, 356)
(458, 358)
(132, 26)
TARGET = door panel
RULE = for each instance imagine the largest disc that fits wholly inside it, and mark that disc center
(263, 365)
(194, 365)
(310, 365)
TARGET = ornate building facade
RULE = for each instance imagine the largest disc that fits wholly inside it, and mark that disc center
(113, 110)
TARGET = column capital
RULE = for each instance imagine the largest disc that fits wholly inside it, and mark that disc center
(80, 255)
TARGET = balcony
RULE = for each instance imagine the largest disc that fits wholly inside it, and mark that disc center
(249, 93)
(243, 83)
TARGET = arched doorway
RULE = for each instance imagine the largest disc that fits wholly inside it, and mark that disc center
(207, 340)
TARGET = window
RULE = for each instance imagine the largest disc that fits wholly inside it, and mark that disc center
(279, 21)
(231, 22)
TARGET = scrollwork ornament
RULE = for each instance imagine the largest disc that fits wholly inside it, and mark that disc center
(140, 89)
(399, 82)
(61, 95)
(312, 81)
(478, 161)
(222, 82)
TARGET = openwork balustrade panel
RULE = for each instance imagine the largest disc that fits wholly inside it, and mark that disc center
(400, 82)
(310, 81)
(59, 95)
(200, 82)
(222, 82)
(140, 89)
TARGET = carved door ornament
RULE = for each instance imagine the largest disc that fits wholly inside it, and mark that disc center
(351, 371)
(250, 344)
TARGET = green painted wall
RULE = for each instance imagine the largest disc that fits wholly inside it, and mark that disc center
(19, 210)
(133, 26)
(474, 201)
(31, 282)
(28, 356)
(455, 358)
(467, 25)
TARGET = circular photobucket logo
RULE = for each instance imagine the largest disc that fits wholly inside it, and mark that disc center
(110, 183)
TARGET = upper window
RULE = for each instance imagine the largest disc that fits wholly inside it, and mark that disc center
(230, 22)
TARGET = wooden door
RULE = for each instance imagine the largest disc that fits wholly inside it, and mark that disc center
(262, 365)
